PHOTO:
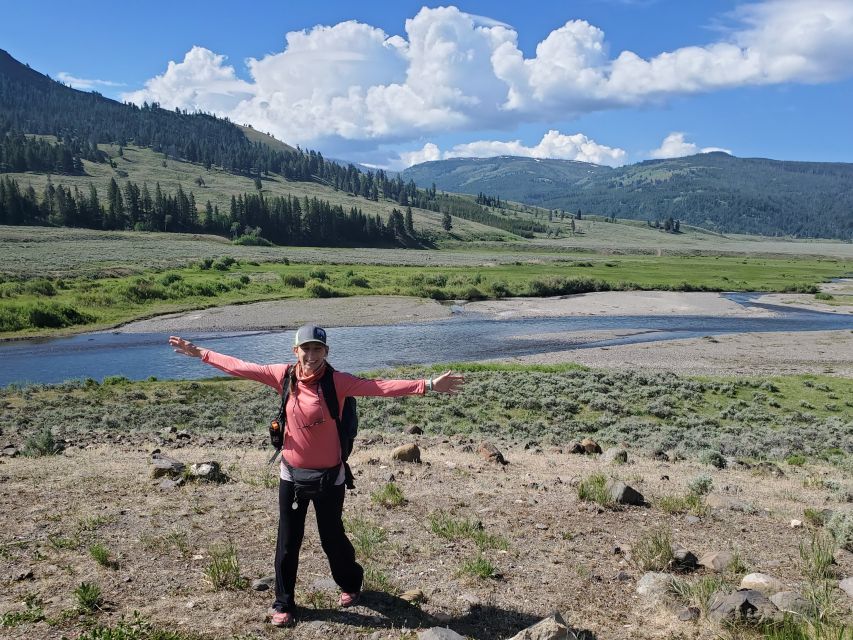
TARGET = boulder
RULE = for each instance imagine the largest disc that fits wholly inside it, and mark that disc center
(490, 452)
(742, 605)
(654, 585)
(718, 561)
(207, 471)
(551, 628)
(623, 494)
(683, 560)
(413, 430)
(615, 455)
(413, 595)
(439, 633)
(407, 453)
(263, 584)
(590, 446)
(791, 601)
(768, 585)
(10, 451)
(168, 484)
(162, 466)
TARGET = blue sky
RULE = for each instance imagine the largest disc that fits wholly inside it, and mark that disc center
(391, 83)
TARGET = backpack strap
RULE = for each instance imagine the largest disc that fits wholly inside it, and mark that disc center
(330, 395)
(286, 384)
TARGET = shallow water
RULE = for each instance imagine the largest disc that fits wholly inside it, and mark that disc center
(465, 337)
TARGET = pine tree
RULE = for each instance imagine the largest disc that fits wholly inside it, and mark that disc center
(446, 222)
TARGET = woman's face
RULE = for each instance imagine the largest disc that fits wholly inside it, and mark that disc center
(311, 356)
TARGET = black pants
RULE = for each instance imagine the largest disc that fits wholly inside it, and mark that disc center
(291, 527)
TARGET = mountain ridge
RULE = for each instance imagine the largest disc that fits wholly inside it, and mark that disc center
(715, 190)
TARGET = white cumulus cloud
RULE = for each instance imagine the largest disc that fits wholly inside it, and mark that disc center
(553, 145)
(675, 146)
(353, 84)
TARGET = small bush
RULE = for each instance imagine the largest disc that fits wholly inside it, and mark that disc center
(796, 460)
(89, 597)
(714, 458)
(594, 489)
(42, 444)
(40, 287)
(653, 551)
(499, 289)
(701, 485)
(169, 278)
(317, 289)
(358, 281)
(53, 316)
(840, 526)
(224, 263)
(223, 572)
(698, 593)
(101, 555)
(820, 295)
(295, 281)
(388, 496)
(818, 557)
(318, 274)
(480, 568)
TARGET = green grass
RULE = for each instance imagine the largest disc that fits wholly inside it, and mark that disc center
(653, 550)
(480, 568)
(593, 488)
(223, 570)
(365, 536)
(102, 556)
(89, 597)
(446, 526)
(96, 284)
(136, 629)
(390, 495)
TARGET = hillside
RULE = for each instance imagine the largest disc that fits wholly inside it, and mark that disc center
(49, 129)
(716, 191)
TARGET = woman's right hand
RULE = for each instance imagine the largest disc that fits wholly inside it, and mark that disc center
(184, 346)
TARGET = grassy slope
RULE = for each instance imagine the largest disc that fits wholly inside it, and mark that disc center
(146, 166)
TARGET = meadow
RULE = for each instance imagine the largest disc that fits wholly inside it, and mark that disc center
(522, 405)
(42, 305)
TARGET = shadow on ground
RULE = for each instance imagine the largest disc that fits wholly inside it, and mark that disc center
(390, 612)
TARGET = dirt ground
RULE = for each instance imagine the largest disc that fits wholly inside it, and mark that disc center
(561, 553)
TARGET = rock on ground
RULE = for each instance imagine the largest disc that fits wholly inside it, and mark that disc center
(551, 628)
(768, 585)
(407, 453)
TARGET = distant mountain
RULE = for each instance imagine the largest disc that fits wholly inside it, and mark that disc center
(714, 190)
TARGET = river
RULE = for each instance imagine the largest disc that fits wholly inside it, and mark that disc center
(465, 337)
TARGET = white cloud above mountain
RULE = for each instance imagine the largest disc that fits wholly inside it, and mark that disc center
(553, 145)
(85, 84)
(351, 83)
(675, 146)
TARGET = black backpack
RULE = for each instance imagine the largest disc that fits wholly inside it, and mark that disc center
(346, 420)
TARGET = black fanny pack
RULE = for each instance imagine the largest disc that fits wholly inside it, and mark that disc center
(311, 483)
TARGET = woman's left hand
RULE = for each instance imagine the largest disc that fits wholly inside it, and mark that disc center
(447, 383)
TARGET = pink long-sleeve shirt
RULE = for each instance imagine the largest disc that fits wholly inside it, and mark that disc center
(311, 438)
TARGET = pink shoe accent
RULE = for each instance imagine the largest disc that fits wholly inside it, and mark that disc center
(349, 599)
(281, 618)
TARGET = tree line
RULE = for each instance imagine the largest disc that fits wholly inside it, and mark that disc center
(284, 220)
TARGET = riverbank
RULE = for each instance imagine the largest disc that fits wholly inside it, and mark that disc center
(729, 354)
(382, 310)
